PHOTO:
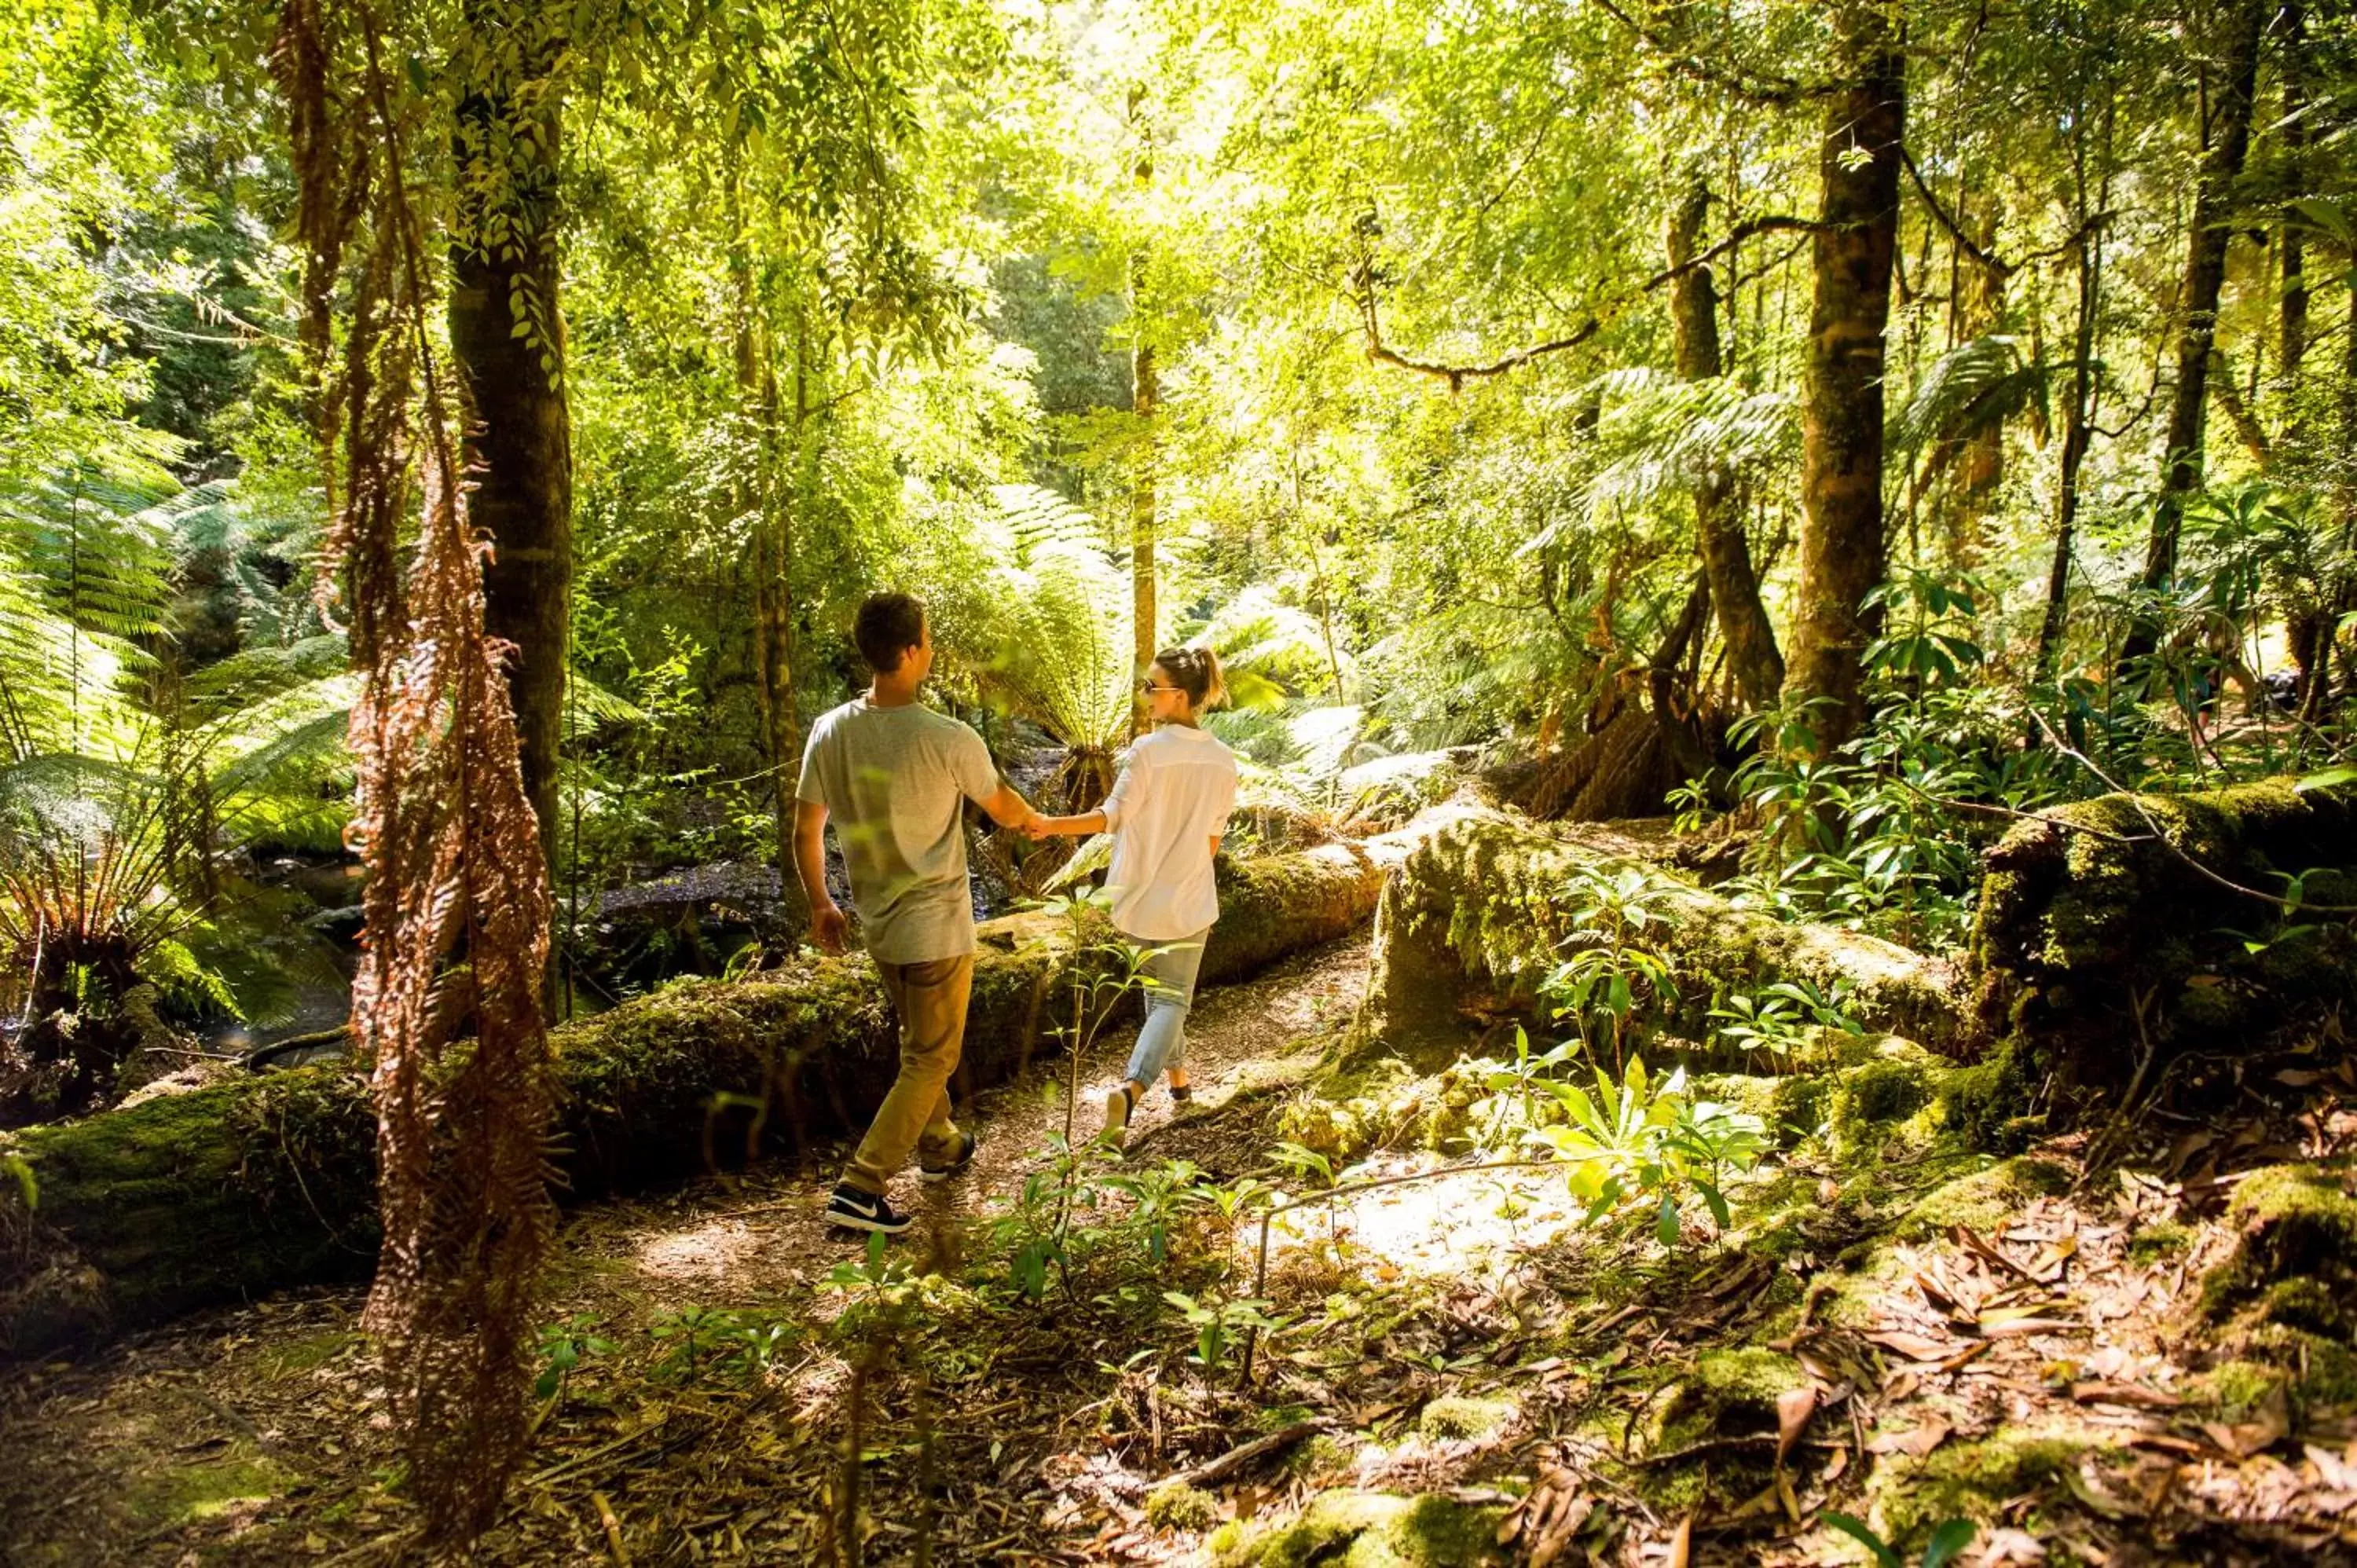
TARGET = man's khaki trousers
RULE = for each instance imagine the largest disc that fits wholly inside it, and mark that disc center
(929, 999)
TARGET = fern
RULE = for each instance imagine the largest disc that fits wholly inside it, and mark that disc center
(1064, 655)
(1967, 391)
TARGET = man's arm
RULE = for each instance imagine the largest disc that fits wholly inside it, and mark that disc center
(829, 929)
(1009, 810)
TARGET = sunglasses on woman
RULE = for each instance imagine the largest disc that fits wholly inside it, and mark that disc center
(1150, 686)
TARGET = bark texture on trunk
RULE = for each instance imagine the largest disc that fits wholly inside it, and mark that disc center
(1145, 397)
(1725, 547)
(2239, 25)
(1842, 548)
(267, 1182)
(507, 335)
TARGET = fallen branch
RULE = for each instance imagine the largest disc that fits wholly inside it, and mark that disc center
(1212, 1472)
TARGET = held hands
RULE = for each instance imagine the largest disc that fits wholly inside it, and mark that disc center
(830, 930)
(1037, 827)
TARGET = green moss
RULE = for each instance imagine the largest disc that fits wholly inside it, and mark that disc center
(1726, 1394)
(1986, 1201)
(1174, 1506)
(1364, 1529)
(2235, 1390)
(1963, 1480)
(2308, 1304)
(2316, 1372)
(163, 1498)
(2291, 1220)
(2166, 1239)
(1455, 1416)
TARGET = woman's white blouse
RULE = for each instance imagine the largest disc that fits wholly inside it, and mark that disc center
(1175, 793)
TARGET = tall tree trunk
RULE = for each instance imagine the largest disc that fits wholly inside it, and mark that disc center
(767, 499)
(507, 336)
(2292, 310)
(1719, 534)
(2342, 592)
(1979, 459)
(2239, 22)
(1843, 549)
(1144, 394)
(2076, 437)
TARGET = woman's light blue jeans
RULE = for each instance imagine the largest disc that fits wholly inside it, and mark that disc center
(1169, 993)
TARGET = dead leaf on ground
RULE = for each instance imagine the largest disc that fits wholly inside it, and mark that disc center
(1681, 1545)
(1914, 1347)
(1793, 1408)
(1915, 1442)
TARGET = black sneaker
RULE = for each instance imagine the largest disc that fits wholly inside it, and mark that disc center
(1182, 1092)
(955, 1164)
(852, 1209)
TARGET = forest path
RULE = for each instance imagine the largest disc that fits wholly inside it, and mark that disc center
(257, 1434)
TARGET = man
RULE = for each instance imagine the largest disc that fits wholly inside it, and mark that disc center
(894, 777)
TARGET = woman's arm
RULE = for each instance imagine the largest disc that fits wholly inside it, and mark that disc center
(1079, 826)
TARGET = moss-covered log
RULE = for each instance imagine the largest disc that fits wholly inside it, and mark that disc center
(251, 1186)
(1486, 900)
(2094, 938)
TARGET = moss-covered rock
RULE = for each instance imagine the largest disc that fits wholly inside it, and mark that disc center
(1986, 1201)
(2090, 935)
(1364, 1529)
(1176, 1505)
(1486, 902)
(263, 1182)
(1726, 1394)
(1963, 1480)
(1455, 1416)
(2290, 1222)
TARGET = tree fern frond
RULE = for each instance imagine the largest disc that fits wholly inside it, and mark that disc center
(1967, 390)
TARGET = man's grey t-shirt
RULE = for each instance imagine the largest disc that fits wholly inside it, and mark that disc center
(894, 782)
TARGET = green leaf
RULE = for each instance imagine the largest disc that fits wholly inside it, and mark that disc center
(1952, 1537)
(1857, 1529)
(2330, 778)
(1668, 1229)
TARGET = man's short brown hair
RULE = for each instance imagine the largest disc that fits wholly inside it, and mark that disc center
(886, 627)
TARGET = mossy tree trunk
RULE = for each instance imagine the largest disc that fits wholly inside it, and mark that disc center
(1487, 903)
(262, 1183)
(2238, 25)
(2095, 942)
(1842, 548)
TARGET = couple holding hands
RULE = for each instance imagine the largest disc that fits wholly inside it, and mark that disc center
(893, 776)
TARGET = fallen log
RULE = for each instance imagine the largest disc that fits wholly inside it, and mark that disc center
(2117, 929)
(130, 1216)
(1486, 900)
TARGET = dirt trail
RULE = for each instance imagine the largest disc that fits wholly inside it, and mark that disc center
(256, 1434)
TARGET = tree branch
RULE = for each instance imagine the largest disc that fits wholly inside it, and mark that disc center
(1456, 376)
(1995, 265)
(1764, 90)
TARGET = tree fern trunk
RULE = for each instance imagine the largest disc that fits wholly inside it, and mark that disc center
(1841, 543)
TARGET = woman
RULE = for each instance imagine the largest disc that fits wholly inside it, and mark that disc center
(1166, 812)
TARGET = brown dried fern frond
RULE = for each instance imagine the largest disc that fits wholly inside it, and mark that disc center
(447, 1004)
